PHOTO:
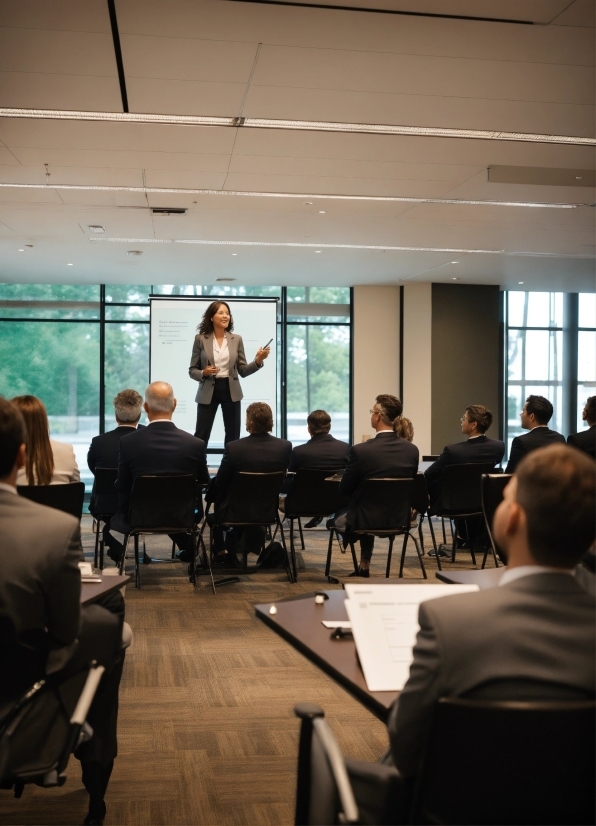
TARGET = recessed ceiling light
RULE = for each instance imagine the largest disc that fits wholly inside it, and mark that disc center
(317, 251)
(96, 228)
(578, 178)
(234, 253)
(148, 190)
(69, 265)
(300, 125)
(322, 212)
(21, 250)
(455, 262)
(455, 279)
(520, 282)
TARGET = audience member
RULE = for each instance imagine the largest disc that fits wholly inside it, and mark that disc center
(44, 628)
(404, 428)
(48, 462)
(158, 449)
(531, 638)
(586, 439)
(535, 417)
(259, 452)
(385, 456)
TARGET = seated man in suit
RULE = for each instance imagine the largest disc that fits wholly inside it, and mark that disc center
(535, 417)
(586, 439)
(384, 456)
(158, 449)
(259, 452)
(322, 452)
(44, 628)
(530, 638)
(103, 451)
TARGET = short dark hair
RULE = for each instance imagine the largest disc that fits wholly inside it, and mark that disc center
(591, 410)
(481, 415)
(319, 421)
(260, 417)
(206, 325)
(13, 434)
(556, 488)
(390, 407)
(540, 407)
(128, 405)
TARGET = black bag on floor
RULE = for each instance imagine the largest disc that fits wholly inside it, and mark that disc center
(273, 556)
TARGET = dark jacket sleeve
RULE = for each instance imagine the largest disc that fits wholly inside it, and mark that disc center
(124, 481)
(436, 469)
(64, 593)
(223, 480)
(411, 714)
(516, 455)
(351, 478)
(194, 371)
(572, 440)
(92, 456)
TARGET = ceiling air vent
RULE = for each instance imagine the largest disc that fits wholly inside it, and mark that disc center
(168, 211)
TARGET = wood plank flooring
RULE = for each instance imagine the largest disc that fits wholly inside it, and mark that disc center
(207, 733)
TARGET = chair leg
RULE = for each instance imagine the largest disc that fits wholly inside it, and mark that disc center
(207, 560)
(329, 552)
(96, 554)
(292, 548)
(101, 551)
(193, 558)
(137, 566)
(123, 557)
(354, 560)
(420, 534)
(444, 534)
(173, 550)
(302, 546)
(403, 555)
(291, 562)
(391, 541)
(432, 534)
(453, 540)
(420, 553)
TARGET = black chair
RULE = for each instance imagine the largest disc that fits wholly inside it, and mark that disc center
(492, 487)
(68, 498)
(39, 732)
(253, 502)
(313, 493)
(165, 504)
(461, 497)
(327, 783)
(420, 503)
(535, 764)
(104, 499)
(386, 504)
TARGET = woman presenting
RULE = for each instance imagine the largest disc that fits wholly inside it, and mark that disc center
(217, 361)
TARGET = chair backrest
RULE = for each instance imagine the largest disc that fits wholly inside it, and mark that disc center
(492, 487)
(160, 502)
(420, 493)
(253, 498)
(323, 792)
(535, 763)
(104, 497)
(460, 488)
(67, 498)
(383, 505)
(314, 493)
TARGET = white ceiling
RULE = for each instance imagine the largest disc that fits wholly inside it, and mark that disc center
(219, 57)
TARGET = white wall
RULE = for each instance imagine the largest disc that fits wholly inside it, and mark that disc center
(417, 376)
(376, 351)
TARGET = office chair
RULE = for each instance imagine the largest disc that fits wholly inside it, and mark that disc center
(492, 487)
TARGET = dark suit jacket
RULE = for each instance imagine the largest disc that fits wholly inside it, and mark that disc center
(584, 440)
(160, 448)
(258, 453)
(472, 451)
(385, 456)
(322, 452)
(103, 453)
(535, 438)
(538, 629)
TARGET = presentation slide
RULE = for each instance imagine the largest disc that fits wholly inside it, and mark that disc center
(174, 325)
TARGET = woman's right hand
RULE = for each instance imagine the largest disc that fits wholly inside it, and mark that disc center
(211, 370)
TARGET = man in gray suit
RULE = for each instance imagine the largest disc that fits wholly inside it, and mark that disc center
(531, 638)
(43, 629)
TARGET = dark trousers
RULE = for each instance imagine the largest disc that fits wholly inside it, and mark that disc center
(230, 411)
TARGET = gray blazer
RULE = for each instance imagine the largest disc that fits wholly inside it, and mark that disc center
(538, 629)
(202, 356)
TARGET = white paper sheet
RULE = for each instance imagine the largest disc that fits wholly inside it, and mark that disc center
(337, 623)
(384, 620)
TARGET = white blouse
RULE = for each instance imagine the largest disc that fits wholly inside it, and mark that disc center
(221, 357)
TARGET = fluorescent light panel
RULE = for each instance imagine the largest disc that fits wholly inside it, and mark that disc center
(300, 125)
(205, 242)
(294, 195)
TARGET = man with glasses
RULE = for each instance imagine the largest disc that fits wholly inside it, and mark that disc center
(535, 417)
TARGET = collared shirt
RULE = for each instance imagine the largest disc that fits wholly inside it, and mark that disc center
(8, 488)
(221, 358)
(511, 574)
(378, 433)
(477, 436)
(160, 420)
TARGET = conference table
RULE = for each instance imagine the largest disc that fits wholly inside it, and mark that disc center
(299, 620)
(94, 591)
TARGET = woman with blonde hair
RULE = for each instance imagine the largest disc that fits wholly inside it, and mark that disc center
(48, 462)
(403, 428)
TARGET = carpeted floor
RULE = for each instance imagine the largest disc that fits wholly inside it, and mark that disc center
(207, 734)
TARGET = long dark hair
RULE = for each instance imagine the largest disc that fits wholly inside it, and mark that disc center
(206, 325)
(40, 458)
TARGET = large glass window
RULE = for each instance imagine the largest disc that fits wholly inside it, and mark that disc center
(586, 353)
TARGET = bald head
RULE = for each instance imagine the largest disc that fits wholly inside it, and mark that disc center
(159, 401)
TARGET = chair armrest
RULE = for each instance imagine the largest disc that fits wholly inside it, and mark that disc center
(382, 793)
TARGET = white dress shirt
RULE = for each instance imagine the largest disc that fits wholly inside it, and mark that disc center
(221, 357)
(511, 574)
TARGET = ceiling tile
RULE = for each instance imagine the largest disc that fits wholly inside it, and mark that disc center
(184, 97)
(26, 90)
